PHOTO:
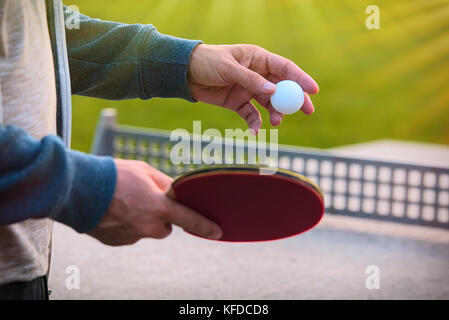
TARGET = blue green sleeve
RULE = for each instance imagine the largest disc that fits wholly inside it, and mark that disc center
(41, 178)
(113, 60)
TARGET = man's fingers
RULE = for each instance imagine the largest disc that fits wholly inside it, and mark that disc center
(250, 80)
(161, 179)
(191, 221)
(307, 107)
(251, 115)
(285, 69)
(275, 116)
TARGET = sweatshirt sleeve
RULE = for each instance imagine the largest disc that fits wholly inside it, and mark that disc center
(41, 178)
(112, 60)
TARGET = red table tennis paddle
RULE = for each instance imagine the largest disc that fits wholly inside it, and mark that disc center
(250, 206)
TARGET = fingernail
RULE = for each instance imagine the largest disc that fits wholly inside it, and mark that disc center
(269, 87)
(253, 131)
(215, 235)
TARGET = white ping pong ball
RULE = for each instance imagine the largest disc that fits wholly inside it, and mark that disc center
(288, 98)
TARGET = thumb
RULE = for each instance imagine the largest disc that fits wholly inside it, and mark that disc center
(250, 80)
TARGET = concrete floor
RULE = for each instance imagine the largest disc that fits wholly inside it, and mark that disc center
(328, 262)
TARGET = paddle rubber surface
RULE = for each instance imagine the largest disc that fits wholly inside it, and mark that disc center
(249, 206)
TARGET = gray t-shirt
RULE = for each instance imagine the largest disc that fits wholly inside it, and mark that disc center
(28, 93)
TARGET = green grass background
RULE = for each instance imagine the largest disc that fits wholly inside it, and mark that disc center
(387, 83)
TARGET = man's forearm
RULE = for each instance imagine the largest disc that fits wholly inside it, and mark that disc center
(112, 60)
(40, 178)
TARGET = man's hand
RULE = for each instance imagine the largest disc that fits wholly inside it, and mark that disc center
(232, 75)
(141, 209)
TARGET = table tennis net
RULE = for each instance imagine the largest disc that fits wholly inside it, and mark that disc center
(366, 188)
